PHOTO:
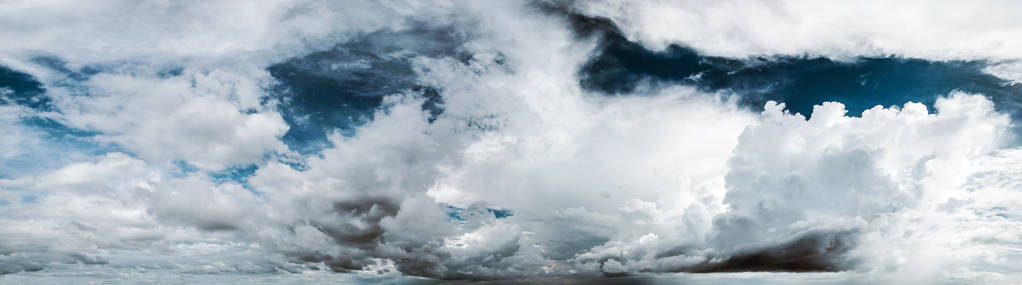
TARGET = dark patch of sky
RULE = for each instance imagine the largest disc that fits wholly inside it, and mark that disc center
(21, 88)
(619, 66)
(342, 87)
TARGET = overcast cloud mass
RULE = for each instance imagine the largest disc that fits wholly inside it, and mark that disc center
(421, 142)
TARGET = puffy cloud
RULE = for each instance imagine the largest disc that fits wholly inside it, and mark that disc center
(830, 164)
(791, 177)
(218, 113)
(119, 210)
(659, 180)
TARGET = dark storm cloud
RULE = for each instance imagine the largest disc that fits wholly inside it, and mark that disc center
(367, 212)
(354, 225)
(357, 229)
(15, 266)
(813, 252)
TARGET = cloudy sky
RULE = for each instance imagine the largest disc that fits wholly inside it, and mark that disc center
(605, 141)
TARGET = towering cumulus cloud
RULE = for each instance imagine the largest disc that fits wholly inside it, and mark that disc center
(510, 141)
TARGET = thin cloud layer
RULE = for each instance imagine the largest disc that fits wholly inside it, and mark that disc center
(304, 141)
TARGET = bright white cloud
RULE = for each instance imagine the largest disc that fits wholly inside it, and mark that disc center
(927, 29)
(117, 210)
(217, 113)
(883, 175)
(658, 181)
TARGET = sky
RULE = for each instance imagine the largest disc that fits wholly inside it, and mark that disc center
(494, 142)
